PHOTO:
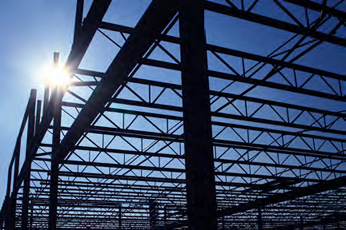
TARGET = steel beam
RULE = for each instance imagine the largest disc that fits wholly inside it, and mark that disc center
(78, 21)
(291, 195)
(234, 12)
(253, 81)
(322, 8)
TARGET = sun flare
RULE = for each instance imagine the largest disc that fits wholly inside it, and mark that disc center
(55, 75)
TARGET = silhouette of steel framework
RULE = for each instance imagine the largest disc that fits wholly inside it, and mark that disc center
(180, 132)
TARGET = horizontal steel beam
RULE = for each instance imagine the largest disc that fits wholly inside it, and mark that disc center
(291, 195)
(218, 123)
(322, 8)
(253, 81)
(173, 156)
(213, 92)
(234, 12)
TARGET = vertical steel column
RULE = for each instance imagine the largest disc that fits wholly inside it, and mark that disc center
(165, 217)
(17, 162)
(152, 214)
(29, 143)
(200, 179)
(120, 218)
(13, 197)
(301, 223)
(45, 97)
(38, 115)
(7, 198)
(259, 219)
(31, 213)
(11, 215)
(54, 176)
(1, 220)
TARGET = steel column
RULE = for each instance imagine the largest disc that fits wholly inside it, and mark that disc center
(8, 195)
(13, 197)
(46, 97)
(259, 219)
(120, 218)
(53, 196)
(31, 214)
(152, 214)
(38, 115)
(223, 222)
(29, 143)
(200, 180)
(165, 217)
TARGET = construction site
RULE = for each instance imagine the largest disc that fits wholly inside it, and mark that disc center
(202, 115)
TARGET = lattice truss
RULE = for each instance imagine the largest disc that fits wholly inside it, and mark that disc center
(277, 99)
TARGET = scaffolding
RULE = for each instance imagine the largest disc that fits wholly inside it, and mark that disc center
(186, 128)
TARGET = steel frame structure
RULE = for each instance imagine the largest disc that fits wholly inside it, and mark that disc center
(188, 144)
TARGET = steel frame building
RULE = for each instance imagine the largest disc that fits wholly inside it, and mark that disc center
(198, 136)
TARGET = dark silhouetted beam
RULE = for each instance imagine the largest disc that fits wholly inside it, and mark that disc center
(293, 194)
(78, 20)
(233, 77)
(319, 7)
(231, 11)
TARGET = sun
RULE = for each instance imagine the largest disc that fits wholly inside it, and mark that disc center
(55, 75)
